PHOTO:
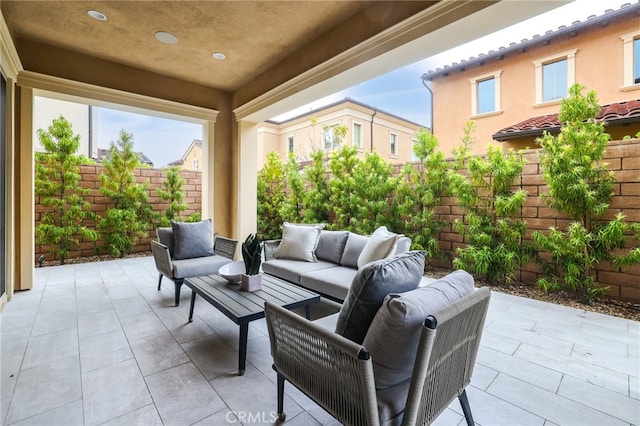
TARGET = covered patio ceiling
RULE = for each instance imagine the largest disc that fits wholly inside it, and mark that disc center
(266, 43)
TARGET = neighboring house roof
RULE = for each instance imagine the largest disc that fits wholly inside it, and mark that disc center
(194, 143)
(344, 101)
(104, 153)
(176, 163)
(616, 113)
(537, 40)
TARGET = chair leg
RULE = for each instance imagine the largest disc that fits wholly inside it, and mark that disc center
(466, 409)
(281, 414)
(160, 281)
(178, 284)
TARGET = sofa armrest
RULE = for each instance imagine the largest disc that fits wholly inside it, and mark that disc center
(224, 247)
(270, 247)
(162, 257)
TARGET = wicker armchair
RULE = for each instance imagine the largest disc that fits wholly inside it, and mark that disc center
(338, 374)
(224, 250)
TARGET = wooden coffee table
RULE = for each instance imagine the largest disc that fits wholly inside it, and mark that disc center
(242, 307)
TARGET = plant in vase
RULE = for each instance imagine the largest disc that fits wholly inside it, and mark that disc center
(252, 256)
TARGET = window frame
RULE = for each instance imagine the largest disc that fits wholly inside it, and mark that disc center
(570, 57)
(329, 128)
(497, 77)
(393, 144)
(628, 42)
(414, 157)
(290, 143)
(356, 143)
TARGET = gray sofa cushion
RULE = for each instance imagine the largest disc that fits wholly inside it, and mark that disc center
(333, 282)
(394, 333)
(198, 266)
(352, 250)
(371, 284)
(331, 245)
(192, 239)
(292, 270)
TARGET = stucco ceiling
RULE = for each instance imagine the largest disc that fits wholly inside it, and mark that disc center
(254, 35)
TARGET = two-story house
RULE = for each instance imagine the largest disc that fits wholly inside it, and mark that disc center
(367, 129)
(513, 94)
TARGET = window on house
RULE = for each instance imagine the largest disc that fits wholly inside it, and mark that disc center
(393, 143)
(636, 61)
(414, 157)
(329, 137)
(290, 143)
(357, 135)
(554, 75)
(485, 93)
(554, 80)
(195, 164)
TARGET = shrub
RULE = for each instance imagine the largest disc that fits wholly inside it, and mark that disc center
(418, 193)
(315, 200)
(271, 196)
(57, 184)
(171, 191)
(490, 203)
(580, 186)
(130, 215)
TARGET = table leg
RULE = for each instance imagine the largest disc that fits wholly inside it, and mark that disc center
(307, 312)
(242, 355)
(193, 303)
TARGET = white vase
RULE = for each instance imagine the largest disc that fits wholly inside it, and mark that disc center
(251, 282)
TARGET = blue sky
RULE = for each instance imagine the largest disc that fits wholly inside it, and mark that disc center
(400, 92)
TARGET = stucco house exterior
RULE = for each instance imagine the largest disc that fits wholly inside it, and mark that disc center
(192, 157)
(368, 129)
(514, 93)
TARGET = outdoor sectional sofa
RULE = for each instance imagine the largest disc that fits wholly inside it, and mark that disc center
(327, 266)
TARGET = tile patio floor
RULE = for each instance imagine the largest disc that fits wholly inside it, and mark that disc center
(95, 344)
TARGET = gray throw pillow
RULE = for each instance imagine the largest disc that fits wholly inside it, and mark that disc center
(394, 333)
(192, 239)
(331, 245)
(371, 285)
(352, 250)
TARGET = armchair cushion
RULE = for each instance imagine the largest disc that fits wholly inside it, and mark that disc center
(299, 242)
(381, 245)
(370, 286)
(331, 245)
(192, 239)
(394, 333)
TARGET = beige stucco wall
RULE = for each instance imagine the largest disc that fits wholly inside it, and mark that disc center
(307, 131)
(598, 65)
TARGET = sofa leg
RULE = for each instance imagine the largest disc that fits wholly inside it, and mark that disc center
(160, 281)
(178, 286)
(466, 409)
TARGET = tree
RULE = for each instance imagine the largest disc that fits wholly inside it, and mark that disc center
(58, 184)
(271, 196)
(315, 200)
(342, 187)
(292, 207)
(171, 191)
(580, 186)
(129, 217)
(419, 192)
(486, 194)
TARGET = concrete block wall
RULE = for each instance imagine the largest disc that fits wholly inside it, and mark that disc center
(90, 178)
(623, 158)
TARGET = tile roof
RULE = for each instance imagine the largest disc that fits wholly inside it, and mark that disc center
(103, 153)
(609, 15)
(612, 114)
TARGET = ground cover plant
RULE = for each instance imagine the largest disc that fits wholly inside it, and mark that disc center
(62, 226)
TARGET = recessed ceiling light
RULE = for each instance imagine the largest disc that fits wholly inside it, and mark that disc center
(97, 15)
(166, 38)
(219, 55)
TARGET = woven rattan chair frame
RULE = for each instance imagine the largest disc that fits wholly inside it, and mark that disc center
(224, 246)
(338, 374)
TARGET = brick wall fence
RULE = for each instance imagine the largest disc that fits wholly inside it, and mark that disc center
(623, 158)
(90, 178)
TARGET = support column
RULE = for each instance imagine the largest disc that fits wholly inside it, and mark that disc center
(247, 196)
(25, 188)
(208, 170)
